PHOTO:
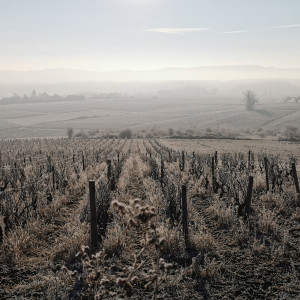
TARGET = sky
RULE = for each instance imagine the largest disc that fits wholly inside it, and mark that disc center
(107, 35)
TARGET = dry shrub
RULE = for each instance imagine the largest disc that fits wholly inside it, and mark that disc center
(258, 247)
(296, 215)
(2, 226)
(292, 198)
(260, 183)
(115, 240)
(240, 234)
(69, 242)
(127, 174)
(211, 269)
(223, 214)
(17, 244)
(266, 221)
(280, 250)
(49, 285)
(202, 241)
(173, 245)
(273, 201)
(197, 190)
(49, 212)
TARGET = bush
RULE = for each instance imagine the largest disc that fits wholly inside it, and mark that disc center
(81, 134)
(171, 131)
(127, 133)
(292, 133)
(149, 135)
(250, 99)
(70, 132)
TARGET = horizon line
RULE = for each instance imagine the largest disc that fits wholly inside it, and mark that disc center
(148, 70)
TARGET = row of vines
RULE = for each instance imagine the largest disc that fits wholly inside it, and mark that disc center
(35, 173)
(169, 224)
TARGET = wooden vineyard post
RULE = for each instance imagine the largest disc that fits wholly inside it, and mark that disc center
(1, 235)
(119, 170)
(108, 170)
(170, 157)
(83, 165)
(295, 178)
(216, 157)
(267, 171)
(213, 174)
(92, 191)
(146, 156)
(249, 159)
(248, 197)
(53, 178)
(162, 172)
(183, 161)
(184, 215)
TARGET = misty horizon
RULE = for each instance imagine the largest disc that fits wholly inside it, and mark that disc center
(199, 73)
(105, 61)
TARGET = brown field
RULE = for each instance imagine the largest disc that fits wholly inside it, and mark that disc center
(227, 252)
(52, 119)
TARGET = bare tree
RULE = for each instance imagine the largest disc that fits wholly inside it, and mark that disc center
(70, 132)
(250, 99)
(292, 133)
(127, 133)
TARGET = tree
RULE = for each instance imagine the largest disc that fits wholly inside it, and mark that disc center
(70, 132)
(171, 131)
(250, 99)
(33, 94)
(125, 134)
(292, 133)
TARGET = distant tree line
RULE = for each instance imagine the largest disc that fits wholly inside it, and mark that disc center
(250, 99)
(110, 96)
(35, 97)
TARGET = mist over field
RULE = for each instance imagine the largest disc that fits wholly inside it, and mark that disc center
(200, 81)
(45, 103)
(145, 65)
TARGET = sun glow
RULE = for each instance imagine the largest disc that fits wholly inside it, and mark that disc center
(140, 3)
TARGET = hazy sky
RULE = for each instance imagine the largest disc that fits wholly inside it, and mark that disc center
(148, 34)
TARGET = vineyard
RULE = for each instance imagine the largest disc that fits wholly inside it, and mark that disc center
(141, 219)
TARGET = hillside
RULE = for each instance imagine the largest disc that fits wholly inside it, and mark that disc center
(147, 245)
(155, 113)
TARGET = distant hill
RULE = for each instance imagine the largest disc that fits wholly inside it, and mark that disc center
(270, 83)
(230, 72)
